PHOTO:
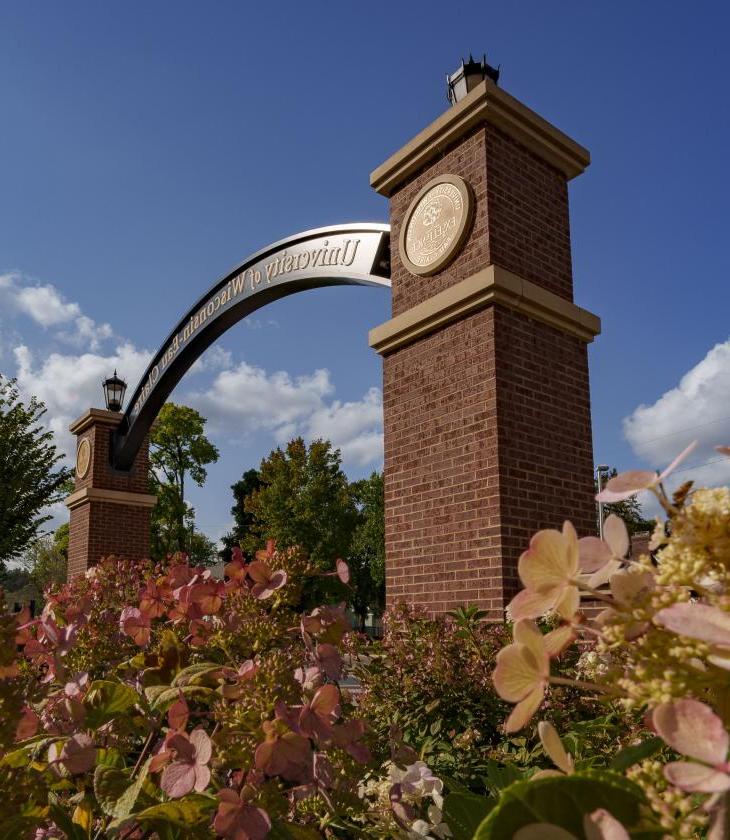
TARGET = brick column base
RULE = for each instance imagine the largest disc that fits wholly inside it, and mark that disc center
(110, 510)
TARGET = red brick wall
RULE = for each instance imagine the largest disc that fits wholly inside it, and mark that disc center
(441, 468)
(487, 420)
(529, 224)
(545, 447)
(100, 528)
(100, 473)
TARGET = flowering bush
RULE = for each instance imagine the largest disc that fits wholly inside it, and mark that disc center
(661, 646)
(153, 701)
(429, 682)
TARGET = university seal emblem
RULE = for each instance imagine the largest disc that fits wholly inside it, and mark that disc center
(83, 458)
(436, 224)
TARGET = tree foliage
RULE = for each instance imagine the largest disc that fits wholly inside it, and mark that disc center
(178, 449)
(304, 500)
(366, 556)
(46, 559)
(243, 519)
(30, 476)
(629, 510)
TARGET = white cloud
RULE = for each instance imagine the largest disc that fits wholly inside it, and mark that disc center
(353, 427)
(46, 306)
(68, 384)
(698, 408)
(214, 358)
(247, 399)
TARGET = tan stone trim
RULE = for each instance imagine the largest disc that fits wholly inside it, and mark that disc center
(117, 497)
(486, 103)
(93, 416)
(492, 285)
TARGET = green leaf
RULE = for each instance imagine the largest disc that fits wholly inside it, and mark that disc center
(198, 674)
(464, 812)
(105, 700)
(110, 757)
(17, 825)
(166, 698)
(290, 831)
(562, 801)
(59, 816)
(30, 751)
(500, 776)
(114, 792)
(629, 756)
(182, 813)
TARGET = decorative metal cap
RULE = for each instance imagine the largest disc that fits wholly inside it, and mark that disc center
(468, 76)
(114, 390)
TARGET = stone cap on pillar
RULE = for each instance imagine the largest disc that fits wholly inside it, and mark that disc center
(487, 103)
(95, 416)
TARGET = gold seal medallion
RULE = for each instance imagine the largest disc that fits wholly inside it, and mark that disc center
(83, 458)
(436, 224)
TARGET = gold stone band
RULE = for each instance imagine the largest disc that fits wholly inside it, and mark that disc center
(117, 497)
(487, 103)
(492, 285)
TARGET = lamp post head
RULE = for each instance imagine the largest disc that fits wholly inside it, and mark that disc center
(602, 468)
(468, 76)
(114, 390)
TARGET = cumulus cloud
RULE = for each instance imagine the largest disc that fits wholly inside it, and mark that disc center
(354, 427)
(696, 409)
(69, 383)
(46, 306)
(214, 358)
(247, 399)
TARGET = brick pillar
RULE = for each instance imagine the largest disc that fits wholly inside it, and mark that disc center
(110, 510)
(485, 371)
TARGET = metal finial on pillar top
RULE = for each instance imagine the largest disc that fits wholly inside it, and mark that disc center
(468, 76)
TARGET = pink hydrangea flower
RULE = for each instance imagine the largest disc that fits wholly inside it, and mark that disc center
(627, 484)
(701, 622)
(548, 570)
(693, 729)
(132, 623)
(188, 769)
(237, 820)
(265, 582)
(523, 669)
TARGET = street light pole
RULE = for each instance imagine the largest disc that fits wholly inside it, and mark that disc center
(600, 471)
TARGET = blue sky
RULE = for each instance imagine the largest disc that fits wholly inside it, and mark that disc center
(146, 148)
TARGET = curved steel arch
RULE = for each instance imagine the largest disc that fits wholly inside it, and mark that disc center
(350, 254)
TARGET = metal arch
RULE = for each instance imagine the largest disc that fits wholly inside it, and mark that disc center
(349, 254)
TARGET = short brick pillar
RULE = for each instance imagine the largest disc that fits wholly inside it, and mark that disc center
(110, 510)
(485, 370)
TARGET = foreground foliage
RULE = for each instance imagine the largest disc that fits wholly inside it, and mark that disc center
(154, 701)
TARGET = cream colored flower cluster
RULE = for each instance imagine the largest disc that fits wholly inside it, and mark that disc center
(661, 643)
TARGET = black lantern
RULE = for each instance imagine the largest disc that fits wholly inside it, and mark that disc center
(468, 76)
(114, 389)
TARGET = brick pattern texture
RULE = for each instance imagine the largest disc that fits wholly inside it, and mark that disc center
(487, 420)
(100, 528)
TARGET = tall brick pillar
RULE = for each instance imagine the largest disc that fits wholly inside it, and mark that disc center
(485, 371)
(110, 510)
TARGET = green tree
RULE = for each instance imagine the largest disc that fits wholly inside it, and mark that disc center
(243, 520)
(178, 449)
(31, 477)
(629, 510)
(305, 499)
(46, 559)
(367, 552)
